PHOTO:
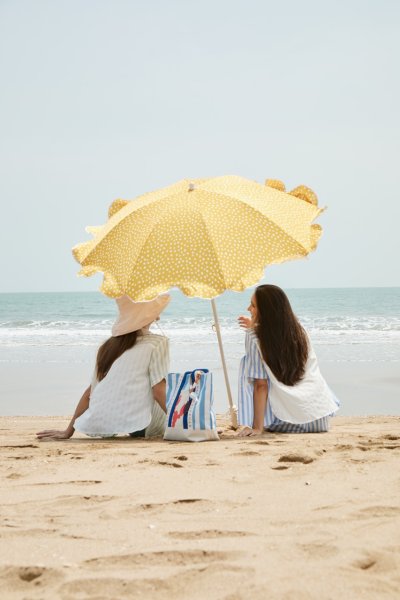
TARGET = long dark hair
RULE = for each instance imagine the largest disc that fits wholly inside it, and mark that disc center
(283, 341)
(112, 349)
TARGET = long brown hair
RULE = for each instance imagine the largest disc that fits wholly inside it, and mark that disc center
(112, 349)
(283, 341)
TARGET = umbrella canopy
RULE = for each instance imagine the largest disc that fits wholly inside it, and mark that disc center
(203, 236)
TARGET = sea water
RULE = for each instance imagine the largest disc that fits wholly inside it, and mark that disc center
(346, 325)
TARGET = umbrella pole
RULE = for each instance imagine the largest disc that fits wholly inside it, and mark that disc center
(232, 408)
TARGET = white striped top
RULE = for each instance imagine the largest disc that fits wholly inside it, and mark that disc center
(308, 400)
(122, 402)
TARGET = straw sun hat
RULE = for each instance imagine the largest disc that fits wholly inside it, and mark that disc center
(136, 315)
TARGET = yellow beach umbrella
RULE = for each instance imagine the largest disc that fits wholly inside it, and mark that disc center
(203, 236)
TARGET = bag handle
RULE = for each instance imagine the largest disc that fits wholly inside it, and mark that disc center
(193, 373)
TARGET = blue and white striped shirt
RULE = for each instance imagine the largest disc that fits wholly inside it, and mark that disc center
(302, 408)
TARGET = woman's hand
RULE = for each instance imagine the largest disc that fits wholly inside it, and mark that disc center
(245, 322)
(249, 432)
(55, 434)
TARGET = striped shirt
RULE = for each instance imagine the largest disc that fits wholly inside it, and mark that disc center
(123, 401)
(302, 408)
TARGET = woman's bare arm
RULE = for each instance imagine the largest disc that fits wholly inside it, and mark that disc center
(260, 396)
(160, 394)
(55, 434)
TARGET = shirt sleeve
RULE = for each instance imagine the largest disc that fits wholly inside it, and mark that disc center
(159, 362)
(255, 365)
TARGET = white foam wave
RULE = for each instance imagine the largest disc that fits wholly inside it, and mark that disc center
(184, 324)
(198, 335)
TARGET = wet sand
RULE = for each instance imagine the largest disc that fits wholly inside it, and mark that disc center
(364, 388)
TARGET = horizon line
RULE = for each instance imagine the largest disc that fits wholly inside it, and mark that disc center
(348, 287)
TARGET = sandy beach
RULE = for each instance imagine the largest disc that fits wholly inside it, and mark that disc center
(280, 516)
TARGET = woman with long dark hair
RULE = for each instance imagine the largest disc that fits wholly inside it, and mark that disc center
(128, 389)
(280, 384)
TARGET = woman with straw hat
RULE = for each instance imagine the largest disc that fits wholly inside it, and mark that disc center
(128, 389)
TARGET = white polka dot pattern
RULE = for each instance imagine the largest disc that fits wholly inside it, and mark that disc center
(203, 236)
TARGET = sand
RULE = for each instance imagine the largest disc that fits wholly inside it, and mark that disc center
(275, 517)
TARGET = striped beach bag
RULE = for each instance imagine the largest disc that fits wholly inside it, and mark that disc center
(190, 415)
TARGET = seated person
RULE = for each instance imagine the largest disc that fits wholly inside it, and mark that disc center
(280, 385)
(128, 389)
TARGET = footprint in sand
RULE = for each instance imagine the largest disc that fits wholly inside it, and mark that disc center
(390, 437)
(19, 531)
(74, 482)
(377, 511)
(168, 464)
(181, 506)
(207, 534)
(384, 442)
(365, 563)
(319, 550)
(366, 448)
(246, 453)
(30, 573)
(203, 578)
(296, 458)
(161, 558)
(14, 476)
(78, 501)
(280, 468)
(74, 456)
(20, 457)
(379, 562)
(23, 580)
(380, 444)
(163, 463)
(107, 587)
(329, 506)
(21, 446)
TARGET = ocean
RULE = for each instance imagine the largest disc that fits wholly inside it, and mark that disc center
(348, 325)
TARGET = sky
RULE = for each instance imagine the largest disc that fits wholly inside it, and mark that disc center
(110, 99)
